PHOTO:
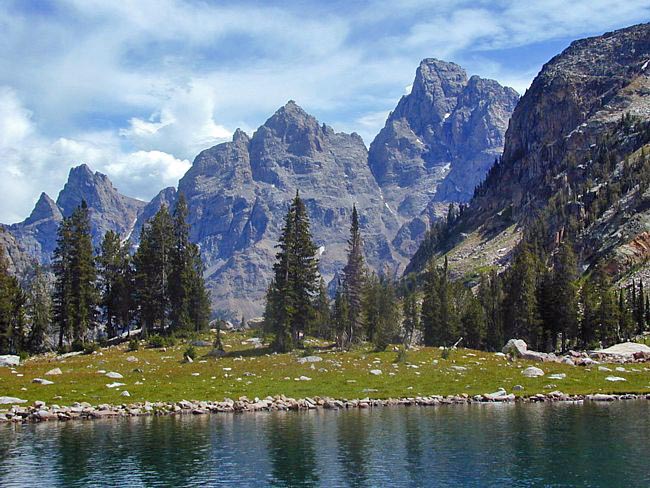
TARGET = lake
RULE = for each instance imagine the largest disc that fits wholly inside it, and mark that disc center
(561, 444)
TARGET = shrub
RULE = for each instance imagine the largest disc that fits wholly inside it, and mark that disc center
(157, 341)
(23, 355)
(190, 352)
(91, 347)
(401, 355)
(446, 352)
(134, 345)
(77, 345)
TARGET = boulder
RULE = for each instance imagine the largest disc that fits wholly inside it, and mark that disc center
(54, 372)
(7, 400)
(125, 394)
(310, 359)
(614, 378)
(532, 372)
(624, 349)
(515, 347)
(41, 381)
(114, 376)
(9, 360)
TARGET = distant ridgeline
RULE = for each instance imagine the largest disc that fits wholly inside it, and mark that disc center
(549, 244)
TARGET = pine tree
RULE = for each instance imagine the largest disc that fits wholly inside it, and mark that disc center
(380, 311)
(564, 302)
(322, 327)
(12, 317)
(181, 273)
(491, 296)
(626, 323)
(340, 315)
(153, 263)
(290, 301)
(473, 322)
(521, 308)
(353, 281)
(114, 283)
(39, 310)
(430, 312)
(75, 295)
(199, 299)
(411, 313)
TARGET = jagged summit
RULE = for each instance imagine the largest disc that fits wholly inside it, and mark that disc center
(438, 144)
(45, 208)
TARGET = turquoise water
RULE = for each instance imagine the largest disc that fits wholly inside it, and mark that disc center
(474, 445)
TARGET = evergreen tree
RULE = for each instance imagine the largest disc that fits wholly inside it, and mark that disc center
(182, 270)
(290, 302)
(153, 264)
(340, 315)
(521, 308)
(473, 322)
(564, 297)
(430, 312)
(626, 325)
(353, 281)
(411, 313)
(380, 311)
(12, 317)
(322, 327)
(114, 283)
(199, 299)
(39, 310)
(75, 296)
(490, 295)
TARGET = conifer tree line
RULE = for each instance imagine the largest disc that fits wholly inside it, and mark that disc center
(541, 298)
(297, 303)
(93, 295)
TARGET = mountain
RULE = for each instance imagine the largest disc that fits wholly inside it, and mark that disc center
(575, 163)
(438, 144)
(109, 210)
(238, 194)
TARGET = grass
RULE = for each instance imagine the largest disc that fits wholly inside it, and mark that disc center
(160, 375)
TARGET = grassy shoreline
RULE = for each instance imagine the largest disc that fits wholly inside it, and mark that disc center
(161, 375)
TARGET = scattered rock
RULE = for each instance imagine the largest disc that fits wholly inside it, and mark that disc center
(375, 372)
(517, 388)
(614, 378)
(310, 359)
(557, 376)
(515, 347)
(459, 368)
(304, 378)
(132, 359)
(125, 394)
(114, 376)
(41, 381)
(54, 372)
(603, 368)
(9, 360)
(114, 385)
(200, 343)
(6, 400)
(532, 372)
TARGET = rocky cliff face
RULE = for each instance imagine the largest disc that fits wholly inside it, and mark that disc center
(238, 193)
(438, 144)
(566, 147)
(109, 210)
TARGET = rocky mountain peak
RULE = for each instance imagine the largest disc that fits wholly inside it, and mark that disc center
(45, 208)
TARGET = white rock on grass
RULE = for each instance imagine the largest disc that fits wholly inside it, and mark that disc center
(5, 400)
(114, 376)
(125, 394)
(603, 368)
(41, 381)
(310, 359)
(557, 376)
(615, 378)
(54, 372)
(303, 378)
(132, 359)
(532, 372)
(9, 360)
(114, 385)
(375, 372)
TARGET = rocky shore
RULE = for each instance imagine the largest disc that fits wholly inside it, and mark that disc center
(40, 412)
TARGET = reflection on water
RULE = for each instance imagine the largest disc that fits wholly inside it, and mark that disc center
(476, 445)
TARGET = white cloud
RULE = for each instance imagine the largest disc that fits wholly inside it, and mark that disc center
(184, 125)
(136, 89)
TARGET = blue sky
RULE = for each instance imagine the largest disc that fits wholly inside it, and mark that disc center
(136, 88)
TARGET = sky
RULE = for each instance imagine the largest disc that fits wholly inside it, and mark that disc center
(135, 89)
